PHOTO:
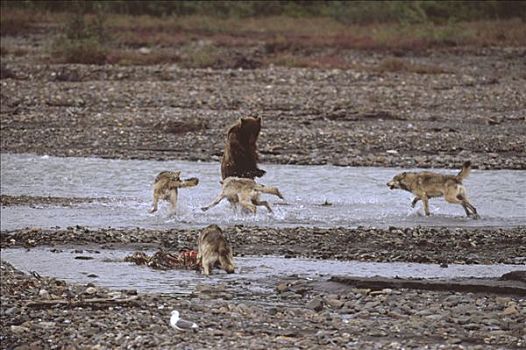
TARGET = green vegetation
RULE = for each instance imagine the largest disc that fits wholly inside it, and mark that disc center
(199, 34)
(84, 39)
(344, 11)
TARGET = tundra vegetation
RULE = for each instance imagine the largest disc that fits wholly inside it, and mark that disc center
(200, 34)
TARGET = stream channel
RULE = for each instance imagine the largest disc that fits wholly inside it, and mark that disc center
(322, 196)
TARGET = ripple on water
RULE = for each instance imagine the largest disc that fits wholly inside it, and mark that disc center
(314, 196)
(259, 273)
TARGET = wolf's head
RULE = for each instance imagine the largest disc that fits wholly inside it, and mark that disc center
(175, 175)
(398, 182)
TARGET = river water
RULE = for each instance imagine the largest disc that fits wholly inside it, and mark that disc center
(357, 196)
(252, 273)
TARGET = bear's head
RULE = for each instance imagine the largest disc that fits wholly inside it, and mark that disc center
(250, 128)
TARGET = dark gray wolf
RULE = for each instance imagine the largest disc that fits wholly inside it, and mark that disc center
(425, 185)
(214, 250)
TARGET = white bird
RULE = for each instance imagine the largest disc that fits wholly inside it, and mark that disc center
(180, 324)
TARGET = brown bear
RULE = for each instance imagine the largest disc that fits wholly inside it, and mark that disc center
(240, 155)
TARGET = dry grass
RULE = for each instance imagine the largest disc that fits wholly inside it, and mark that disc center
(297, 42)
(322, 32)
(15, 51)
(201, 56)
(399, 65)
(15, 22)
(134, 57)
(328, 61)
(86, 51)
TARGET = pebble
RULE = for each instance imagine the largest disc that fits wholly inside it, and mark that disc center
(19, 329)
(341, 130)
(510, 310)
(46, 325)
(91, 290)
(315, 304)
(282, 287)
(334, 303)
(44, 294)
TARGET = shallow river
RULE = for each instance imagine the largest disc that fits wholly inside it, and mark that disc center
(357, 196)
(253, 274)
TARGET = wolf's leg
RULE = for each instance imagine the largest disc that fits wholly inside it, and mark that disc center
(256, 201)
(173, 201)
(247, 202)
(467, 205)
(462, 199)
(248, 206)
(214, 203)
(233, 204)
(265, 203)
(468, 213)
(155, 202)
(206, 266)
(413, 203)
(425, 200)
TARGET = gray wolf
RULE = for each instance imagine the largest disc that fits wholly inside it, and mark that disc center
(425, 185)
(214, 250)
(244, 191)
(166, 187)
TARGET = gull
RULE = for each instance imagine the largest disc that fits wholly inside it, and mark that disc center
(180, 324)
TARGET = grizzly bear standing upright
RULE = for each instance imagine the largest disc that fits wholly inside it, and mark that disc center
(240, 156)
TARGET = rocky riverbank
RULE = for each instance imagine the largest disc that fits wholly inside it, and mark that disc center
(420, 244)
(472, 109)
(39, 312)
(428, 107)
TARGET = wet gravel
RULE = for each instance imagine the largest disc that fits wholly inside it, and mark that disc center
(295, 315)
(362, 116)
(39, 201)
(474, 109)
(420, 244)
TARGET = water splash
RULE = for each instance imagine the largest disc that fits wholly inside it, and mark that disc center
(324, 196)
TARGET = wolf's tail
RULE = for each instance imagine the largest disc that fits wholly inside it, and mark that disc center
(225, 259)
(466, 169)
(191, 182)
(269, 189)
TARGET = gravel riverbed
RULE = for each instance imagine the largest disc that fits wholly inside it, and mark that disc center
(469, 103)
(49, 313)
(297, 314)
(473, 110)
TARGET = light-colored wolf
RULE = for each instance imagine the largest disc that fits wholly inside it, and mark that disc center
(244, 191)
(166, 187)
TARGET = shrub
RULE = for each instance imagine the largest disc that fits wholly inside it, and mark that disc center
(201, 56)
(86, 50)
(84, 40)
